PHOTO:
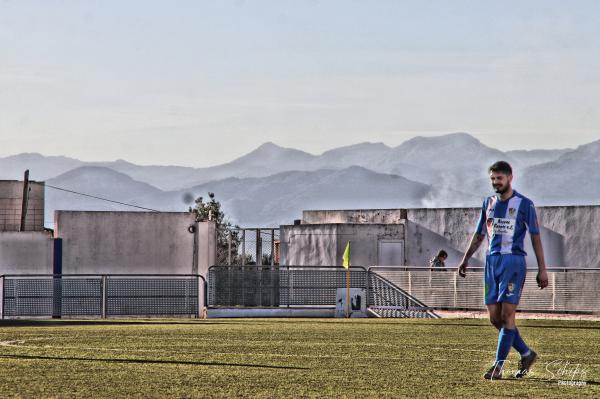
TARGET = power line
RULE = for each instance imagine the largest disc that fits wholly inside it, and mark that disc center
(100, 198)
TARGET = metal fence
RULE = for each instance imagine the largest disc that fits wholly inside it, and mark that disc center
(252, 246)
(102, 295)
(259, 286)
(388, 300)
(569, 290)
(390, 291)
(395, 291)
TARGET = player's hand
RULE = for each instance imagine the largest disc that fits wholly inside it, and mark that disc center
(462, 269)
(542, 279)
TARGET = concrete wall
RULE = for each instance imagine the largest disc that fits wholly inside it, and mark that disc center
(11, 200)
(26, 253)
(308, 245)
(365, 241)
(570, 234)
(451, 229)
(206, 240)
(429, 230)
(134, 242)
(324, 244)
(576, 234)
(359, 216)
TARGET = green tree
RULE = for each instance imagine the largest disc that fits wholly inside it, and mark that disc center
(211, 210)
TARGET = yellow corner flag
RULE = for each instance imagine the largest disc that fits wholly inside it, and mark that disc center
(346, 257)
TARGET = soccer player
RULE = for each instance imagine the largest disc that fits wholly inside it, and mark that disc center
(504, 218)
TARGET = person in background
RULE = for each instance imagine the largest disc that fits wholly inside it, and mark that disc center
(437, 262)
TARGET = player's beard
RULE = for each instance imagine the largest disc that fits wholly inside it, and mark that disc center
(502, 189)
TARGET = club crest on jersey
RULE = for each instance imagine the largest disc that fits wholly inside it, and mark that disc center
(512, 212)
(511, 287)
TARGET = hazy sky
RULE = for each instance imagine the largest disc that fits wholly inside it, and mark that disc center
(201, 82)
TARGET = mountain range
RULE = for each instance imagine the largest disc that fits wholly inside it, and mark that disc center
(272, 185)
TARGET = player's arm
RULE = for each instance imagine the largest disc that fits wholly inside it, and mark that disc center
(536, 242)
(476, 241)
(542, 276)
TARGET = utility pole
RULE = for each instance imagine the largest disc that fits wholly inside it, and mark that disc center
(25, 199)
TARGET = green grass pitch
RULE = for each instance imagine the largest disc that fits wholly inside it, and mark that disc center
(356, 358)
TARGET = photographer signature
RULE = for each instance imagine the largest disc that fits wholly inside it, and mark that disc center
(563, 371)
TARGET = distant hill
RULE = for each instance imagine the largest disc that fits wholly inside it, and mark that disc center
(99, 182)
(273, 184)
(40, 167)
(265, 201)
(524, 158)
(574, 178)
(456, 151)
(281, 198)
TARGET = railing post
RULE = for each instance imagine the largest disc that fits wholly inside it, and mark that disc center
(229, 248)
(205, 284)
(198, 300)
(243, 247)
(455, 293)
(103, 293)
(272, 247)
(57, 296)
(2, 297)
(367, 271)
(258, 248)
(553, 290)
(290, 289)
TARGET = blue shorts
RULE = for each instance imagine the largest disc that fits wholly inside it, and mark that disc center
(504, 278)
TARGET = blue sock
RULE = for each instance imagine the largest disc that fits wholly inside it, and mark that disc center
(505, 341)
(519, 344)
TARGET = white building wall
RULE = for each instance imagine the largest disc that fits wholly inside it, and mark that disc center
(134, 242)
(26, 252)
(570, 234)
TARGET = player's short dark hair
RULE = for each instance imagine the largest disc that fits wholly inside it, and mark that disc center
(501, 167)
(442, 254)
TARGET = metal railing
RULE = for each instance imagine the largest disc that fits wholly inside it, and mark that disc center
(263, 286)
(252, 246)
(307, 286)
(388, 300)
(90, 295)
(389, 291)
(569, 289)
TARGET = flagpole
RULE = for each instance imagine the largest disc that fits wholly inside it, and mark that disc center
(346, 264)
(348, 292)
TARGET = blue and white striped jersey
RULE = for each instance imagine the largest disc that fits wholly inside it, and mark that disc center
(506, 222)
